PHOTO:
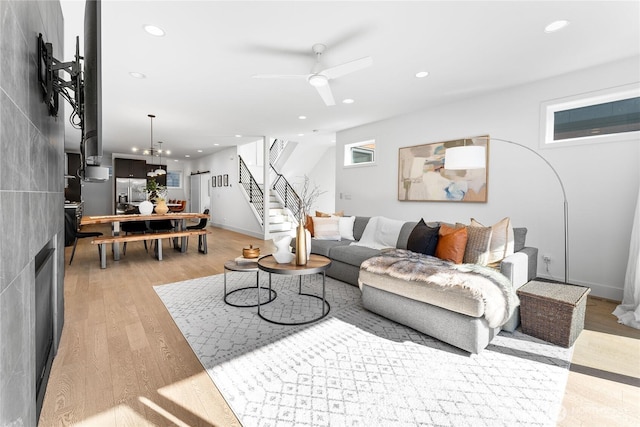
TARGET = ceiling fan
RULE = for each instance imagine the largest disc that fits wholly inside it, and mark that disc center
(319, 76)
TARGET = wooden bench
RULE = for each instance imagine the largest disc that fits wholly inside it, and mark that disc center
(104, 240)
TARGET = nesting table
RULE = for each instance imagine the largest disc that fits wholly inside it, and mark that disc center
(249, 267)
(317, 264)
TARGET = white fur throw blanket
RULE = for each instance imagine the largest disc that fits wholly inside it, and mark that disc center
(483, 283)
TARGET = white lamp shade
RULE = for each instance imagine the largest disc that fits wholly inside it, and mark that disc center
(467, 157)
(160, 171)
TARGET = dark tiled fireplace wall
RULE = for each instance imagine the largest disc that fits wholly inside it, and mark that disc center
(31, 197)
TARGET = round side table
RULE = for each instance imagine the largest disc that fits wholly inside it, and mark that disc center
(232, 265)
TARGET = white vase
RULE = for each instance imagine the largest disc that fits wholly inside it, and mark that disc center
(283, 253)
(145, 207)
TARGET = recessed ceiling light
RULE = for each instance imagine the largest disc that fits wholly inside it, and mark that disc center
(175, 160)
(216, 144)
(199, 151)
(154, 30)
(301, 134)
(302, 117)
(134, 149)
(422, 74)
(556, 25)
(348, 101)
(167, 152)
(238, 136)
(137, 75)
(187, 155)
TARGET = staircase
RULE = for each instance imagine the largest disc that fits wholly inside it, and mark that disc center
(283, 204)
(280, 220)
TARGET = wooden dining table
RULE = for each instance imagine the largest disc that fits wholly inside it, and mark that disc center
(115, 221)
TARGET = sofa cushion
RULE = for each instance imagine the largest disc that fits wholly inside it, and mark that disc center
(405, 232)
(352, 255)
(423, 239)
(359, 225)
(478, 244)
(326, 228)
(451, 243)
(323, 247)
(519, 238)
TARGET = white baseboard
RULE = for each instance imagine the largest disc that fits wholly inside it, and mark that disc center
(597, 289)
(238, 230)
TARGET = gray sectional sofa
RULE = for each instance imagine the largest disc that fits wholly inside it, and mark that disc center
(469, 333)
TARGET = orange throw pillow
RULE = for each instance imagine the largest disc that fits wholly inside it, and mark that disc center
(451, 243)
(309, 224)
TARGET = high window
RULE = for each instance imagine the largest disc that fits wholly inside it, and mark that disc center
(174, 179)
(605, 116)
(360, 153)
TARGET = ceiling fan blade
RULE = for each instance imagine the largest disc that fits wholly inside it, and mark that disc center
(347, 67)
(280, 76)
(326, 95)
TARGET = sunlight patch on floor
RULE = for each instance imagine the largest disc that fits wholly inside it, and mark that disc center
(612, 353)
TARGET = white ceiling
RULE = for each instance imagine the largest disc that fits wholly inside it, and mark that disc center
(199, 82)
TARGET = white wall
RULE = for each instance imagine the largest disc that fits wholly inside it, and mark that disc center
(324, 176)
(229, 208)
(601, 194)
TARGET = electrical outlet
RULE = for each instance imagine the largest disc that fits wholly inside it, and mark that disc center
(546, 259)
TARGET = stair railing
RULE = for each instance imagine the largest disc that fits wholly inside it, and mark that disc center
(251, 187)
(287, 194)
(276, 149)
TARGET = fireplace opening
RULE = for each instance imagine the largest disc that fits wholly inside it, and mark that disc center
(44, 321)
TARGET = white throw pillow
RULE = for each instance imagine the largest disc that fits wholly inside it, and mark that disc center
(326, 228)
(345, 224)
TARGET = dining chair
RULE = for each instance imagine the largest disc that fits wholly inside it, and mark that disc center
(133, 227)
(73, 233)
(202, 238)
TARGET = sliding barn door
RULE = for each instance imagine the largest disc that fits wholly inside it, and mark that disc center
(199, 196)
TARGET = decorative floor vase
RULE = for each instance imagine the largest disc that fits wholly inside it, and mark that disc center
(301, 245)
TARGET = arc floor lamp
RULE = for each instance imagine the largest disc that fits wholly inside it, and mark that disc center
(474, 157)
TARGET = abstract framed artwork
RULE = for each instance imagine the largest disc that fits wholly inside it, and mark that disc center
(219, 180)
(213, 181)
(225, 179)
(423, 178)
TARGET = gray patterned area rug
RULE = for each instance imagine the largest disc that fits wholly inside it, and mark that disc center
(355, 368)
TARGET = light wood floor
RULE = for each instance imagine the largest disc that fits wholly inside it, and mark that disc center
(123, 362)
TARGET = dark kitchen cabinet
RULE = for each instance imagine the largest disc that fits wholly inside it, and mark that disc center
(130, 168)
(160, 179)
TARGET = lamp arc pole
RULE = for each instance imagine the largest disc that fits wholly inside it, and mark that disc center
(564, 196)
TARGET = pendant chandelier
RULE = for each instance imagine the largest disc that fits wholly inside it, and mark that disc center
(160, 171)
(151, 151)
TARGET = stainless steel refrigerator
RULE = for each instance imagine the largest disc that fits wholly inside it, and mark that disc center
(129, 193)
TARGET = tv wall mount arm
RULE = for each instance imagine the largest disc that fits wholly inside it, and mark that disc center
(52, 85)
